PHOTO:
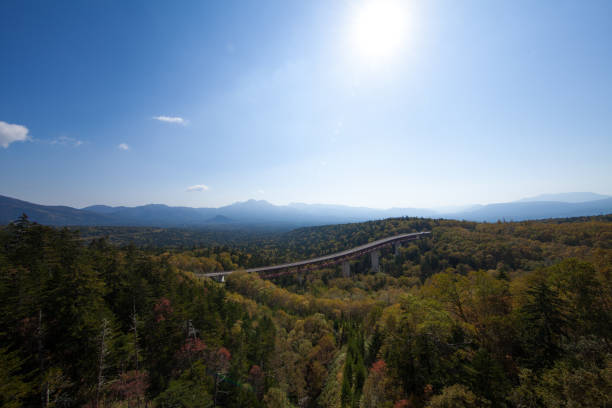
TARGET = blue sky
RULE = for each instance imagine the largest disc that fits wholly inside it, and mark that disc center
(479, 102)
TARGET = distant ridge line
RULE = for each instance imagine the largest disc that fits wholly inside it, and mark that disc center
(261, 213)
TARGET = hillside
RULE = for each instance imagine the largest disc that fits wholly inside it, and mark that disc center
(11, 209)
(490, 314)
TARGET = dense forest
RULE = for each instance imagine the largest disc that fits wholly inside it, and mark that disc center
(477, 315)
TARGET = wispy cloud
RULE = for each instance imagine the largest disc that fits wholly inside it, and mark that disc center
(123, 146)
(10, 133)
(198, 187)
(171, 119)
(65, 140)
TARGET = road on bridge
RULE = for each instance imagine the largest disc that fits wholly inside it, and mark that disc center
(335, 258)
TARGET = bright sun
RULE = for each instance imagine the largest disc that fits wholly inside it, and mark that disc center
(378, 28)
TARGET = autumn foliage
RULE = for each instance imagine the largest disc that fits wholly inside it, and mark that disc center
(477, 315)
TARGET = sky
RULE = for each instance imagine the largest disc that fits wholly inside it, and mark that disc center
(367, 103)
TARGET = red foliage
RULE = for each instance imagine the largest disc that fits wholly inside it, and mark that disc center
(428, 391)
(224, 354)
(162, 309)
(255, 371)
(131, 386)
(256, 379)
(193, 346)
(402, 404)
(379, 366)
(219, 361)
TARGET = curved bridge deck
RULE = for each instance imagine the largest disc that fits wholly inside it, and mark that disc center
(326, 260)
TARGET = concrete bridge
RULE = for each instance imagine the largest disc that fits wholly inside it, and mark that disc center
(343, 257)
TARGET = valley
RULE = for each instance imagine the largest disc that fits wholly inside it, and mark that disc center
(491, 314)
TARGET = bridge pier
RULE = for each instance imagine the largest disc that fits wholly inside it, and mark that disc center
(346, 269)
(374, 258)
(398, 245)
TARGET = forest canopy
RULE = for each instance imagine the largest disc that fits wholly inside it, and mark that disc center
(500, 315)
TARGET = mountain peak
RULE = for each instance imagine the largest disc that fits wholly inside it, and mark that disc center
(252, 202)
(219, 219)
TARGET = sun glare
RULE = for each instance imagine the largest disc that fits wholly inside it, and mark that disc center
(378, 29)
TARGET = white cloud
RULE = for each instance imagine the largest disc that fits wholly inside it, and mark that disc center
(198, 187)
(10, 133)
(65, 140)
(171, 119)
(123, 146)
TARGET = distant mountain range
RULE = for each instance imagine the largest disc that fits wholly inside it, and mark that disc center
(260, 212)
(567, 197)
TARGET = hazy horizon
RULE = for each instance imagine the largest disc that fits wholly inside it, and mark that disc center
(365, 103)
(440, 208)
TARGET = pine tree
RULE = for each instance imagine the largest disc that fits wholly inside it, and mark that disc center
(544, 326)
